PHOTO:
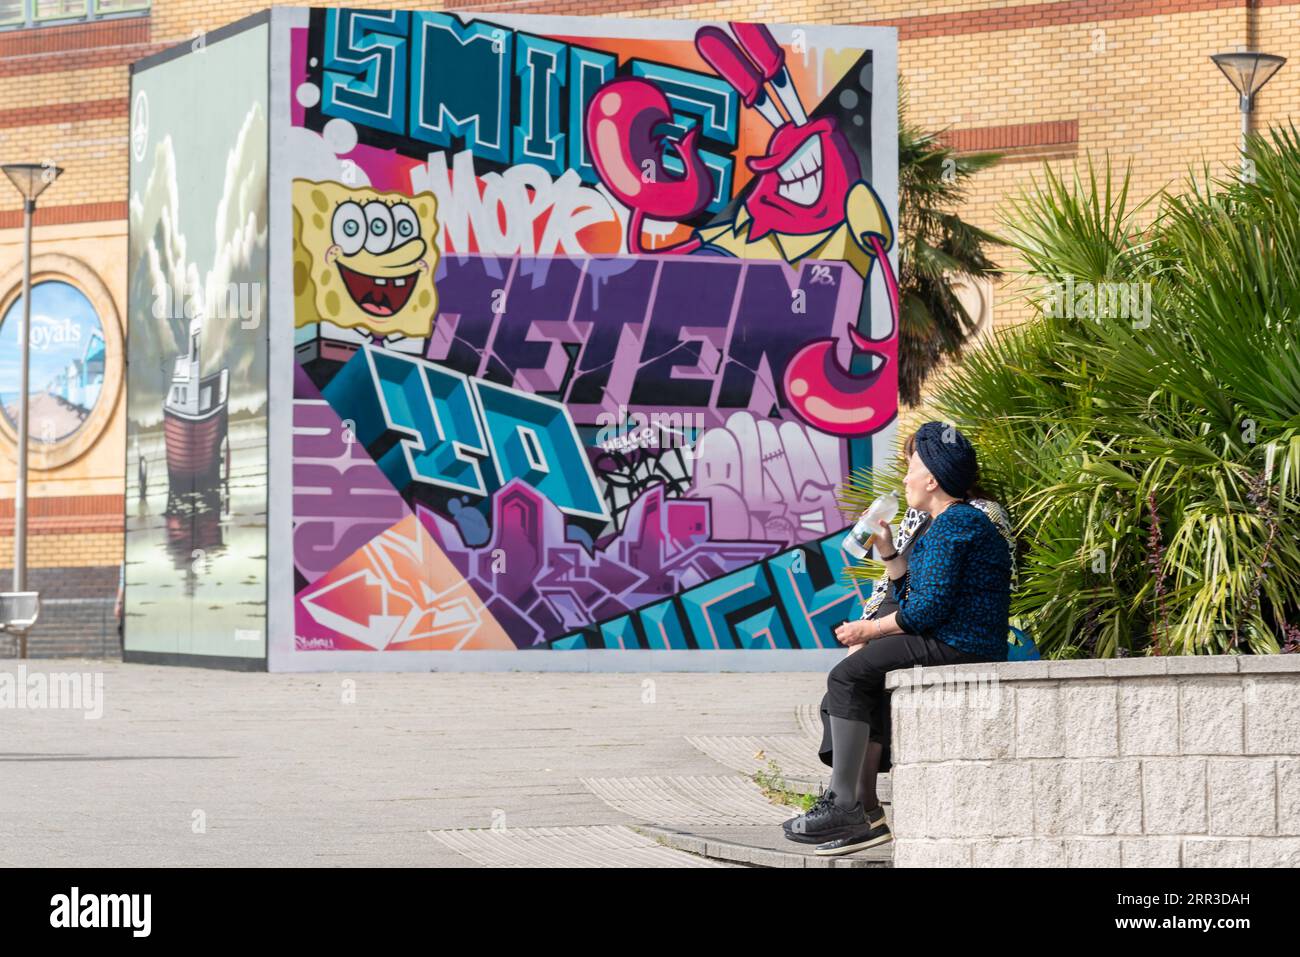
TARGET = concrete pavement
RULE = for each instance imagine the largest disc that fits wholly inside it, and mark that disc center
(192, 767)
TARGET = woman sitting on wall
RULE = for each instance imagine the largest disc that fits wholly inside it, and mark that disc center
(945, 601)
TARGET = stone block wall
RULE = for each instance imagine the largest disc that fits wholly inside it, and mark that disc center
(1167, 762)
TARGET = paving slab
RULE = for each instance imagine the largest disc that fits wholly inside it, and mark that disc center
(198, 767)
(599, 846)
(749, 753)
(717, 800)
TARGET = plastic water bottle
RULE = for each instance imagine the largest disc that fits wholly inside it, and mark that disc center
(883, 509)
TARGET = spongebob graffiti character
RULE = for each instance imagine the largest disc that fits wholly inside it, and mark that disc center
(364, 263)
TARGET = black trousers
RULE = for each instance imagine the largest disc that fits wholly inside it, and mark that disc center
(855, 688)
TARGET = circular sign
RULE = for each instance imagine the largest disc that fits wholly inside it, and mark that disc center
(67, 365)
(139, 126)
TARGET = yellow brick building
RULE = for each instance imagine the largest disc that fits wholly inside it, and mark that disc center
(1041, 81)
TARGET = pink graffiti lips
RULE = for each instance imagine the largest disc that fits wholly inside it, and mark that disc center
(377, 295)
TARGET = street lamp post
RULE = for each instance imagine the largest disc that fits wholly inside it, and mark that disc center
(1247, 71)
(30, 179)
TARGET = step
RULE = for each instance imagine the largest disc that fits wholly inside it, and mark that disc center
(722, 818)
(759, 846)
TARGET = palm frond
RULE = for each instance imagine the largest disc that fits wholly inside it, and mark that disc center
(1151, 460)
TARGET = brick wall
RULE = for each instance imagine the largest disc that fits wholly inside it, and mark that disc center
(77, 619)
(1049, 82)
(74, 553)
(74, 544)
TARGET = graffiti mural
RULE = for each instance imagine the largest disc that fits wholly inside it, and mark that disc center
(591, 319)
(197, 409)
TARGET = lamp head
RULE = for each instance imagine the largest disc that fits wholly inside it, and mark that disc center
(31, 179)
(1248, 71)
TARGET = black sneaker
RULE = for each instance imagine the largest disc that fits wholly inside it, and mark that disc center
(826, 821)
(823, 797)
(873, 834)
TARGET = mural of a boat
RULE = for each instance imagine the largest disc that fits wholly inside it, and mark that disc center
(195, 422)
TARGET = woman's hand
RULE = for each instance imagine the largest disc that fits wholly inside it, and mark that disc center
(857, 632)
(885, 538)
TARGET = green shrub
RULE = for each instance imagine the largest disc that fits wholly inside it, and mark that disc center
(1151, 465)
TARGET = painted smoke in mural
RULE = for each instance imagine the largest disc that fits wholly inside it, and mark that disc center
(197, 403)
(581, 334)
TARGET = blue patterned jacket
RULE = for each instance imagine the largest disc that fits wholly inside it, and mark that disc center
(958, 583)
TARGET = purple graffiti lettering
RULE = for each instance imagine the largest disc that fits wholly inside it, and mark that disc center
(530, 573)
(645, 333)
(341, 499)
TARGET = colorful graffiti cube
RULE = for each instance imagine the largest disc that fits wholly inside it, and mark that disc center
(569, 331)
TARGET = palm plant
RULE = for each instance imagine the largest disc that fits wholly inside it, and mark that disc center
(1152, 467)
(937, 248)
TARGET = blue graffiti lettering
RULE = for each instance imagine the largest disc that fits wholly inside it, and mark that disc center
(500, 91)
(434, 425)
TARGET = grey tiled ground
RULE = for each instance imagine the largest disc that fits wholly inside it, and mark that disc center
(281, 771)
(794, 754)
(603, 845)
(699, 801)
